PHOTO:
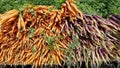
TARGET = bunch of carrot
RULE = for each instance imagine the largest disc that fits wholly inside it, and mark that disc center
(41, 35)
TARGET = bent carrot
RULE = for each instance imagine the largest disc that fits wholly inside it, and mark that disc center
(6, 17)
(69, 8)
(73, 6)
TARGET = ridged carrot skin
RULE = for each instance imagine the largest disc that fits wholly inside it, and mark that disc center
(7, 17)
(69, 7)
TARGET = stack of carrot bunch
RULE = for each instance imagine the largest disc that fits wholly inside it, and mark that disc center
(41, 35)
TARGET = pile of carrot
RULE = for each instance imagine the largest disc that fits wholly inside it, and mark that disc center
(41, 35)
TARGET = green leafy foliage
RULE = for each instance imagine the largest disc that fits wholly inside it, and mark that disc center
(31, 32)
(114, 7)
(51, 42)
(18, 4)
(100, 7)
(6, 5)
(74, 43)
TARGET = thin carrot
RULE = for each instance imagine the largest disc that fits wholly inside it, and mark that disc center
(62, 44)
(31, 59)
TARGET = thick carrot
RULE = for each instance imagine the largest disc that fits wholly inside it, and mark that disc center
(69, 8)
(59, 17)
(10, 12)
(40, 11)
(52, 20)
(11, 20)
(58, 60)
(6, 17)
(22, 23)
(73, 6)
(42, 7)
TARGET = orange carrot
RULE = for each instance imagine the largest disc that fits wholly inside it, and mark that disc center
(58, 60)
(61, 44)
(52, 20)
(9, 16)
(69, 8)
(73, 6)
